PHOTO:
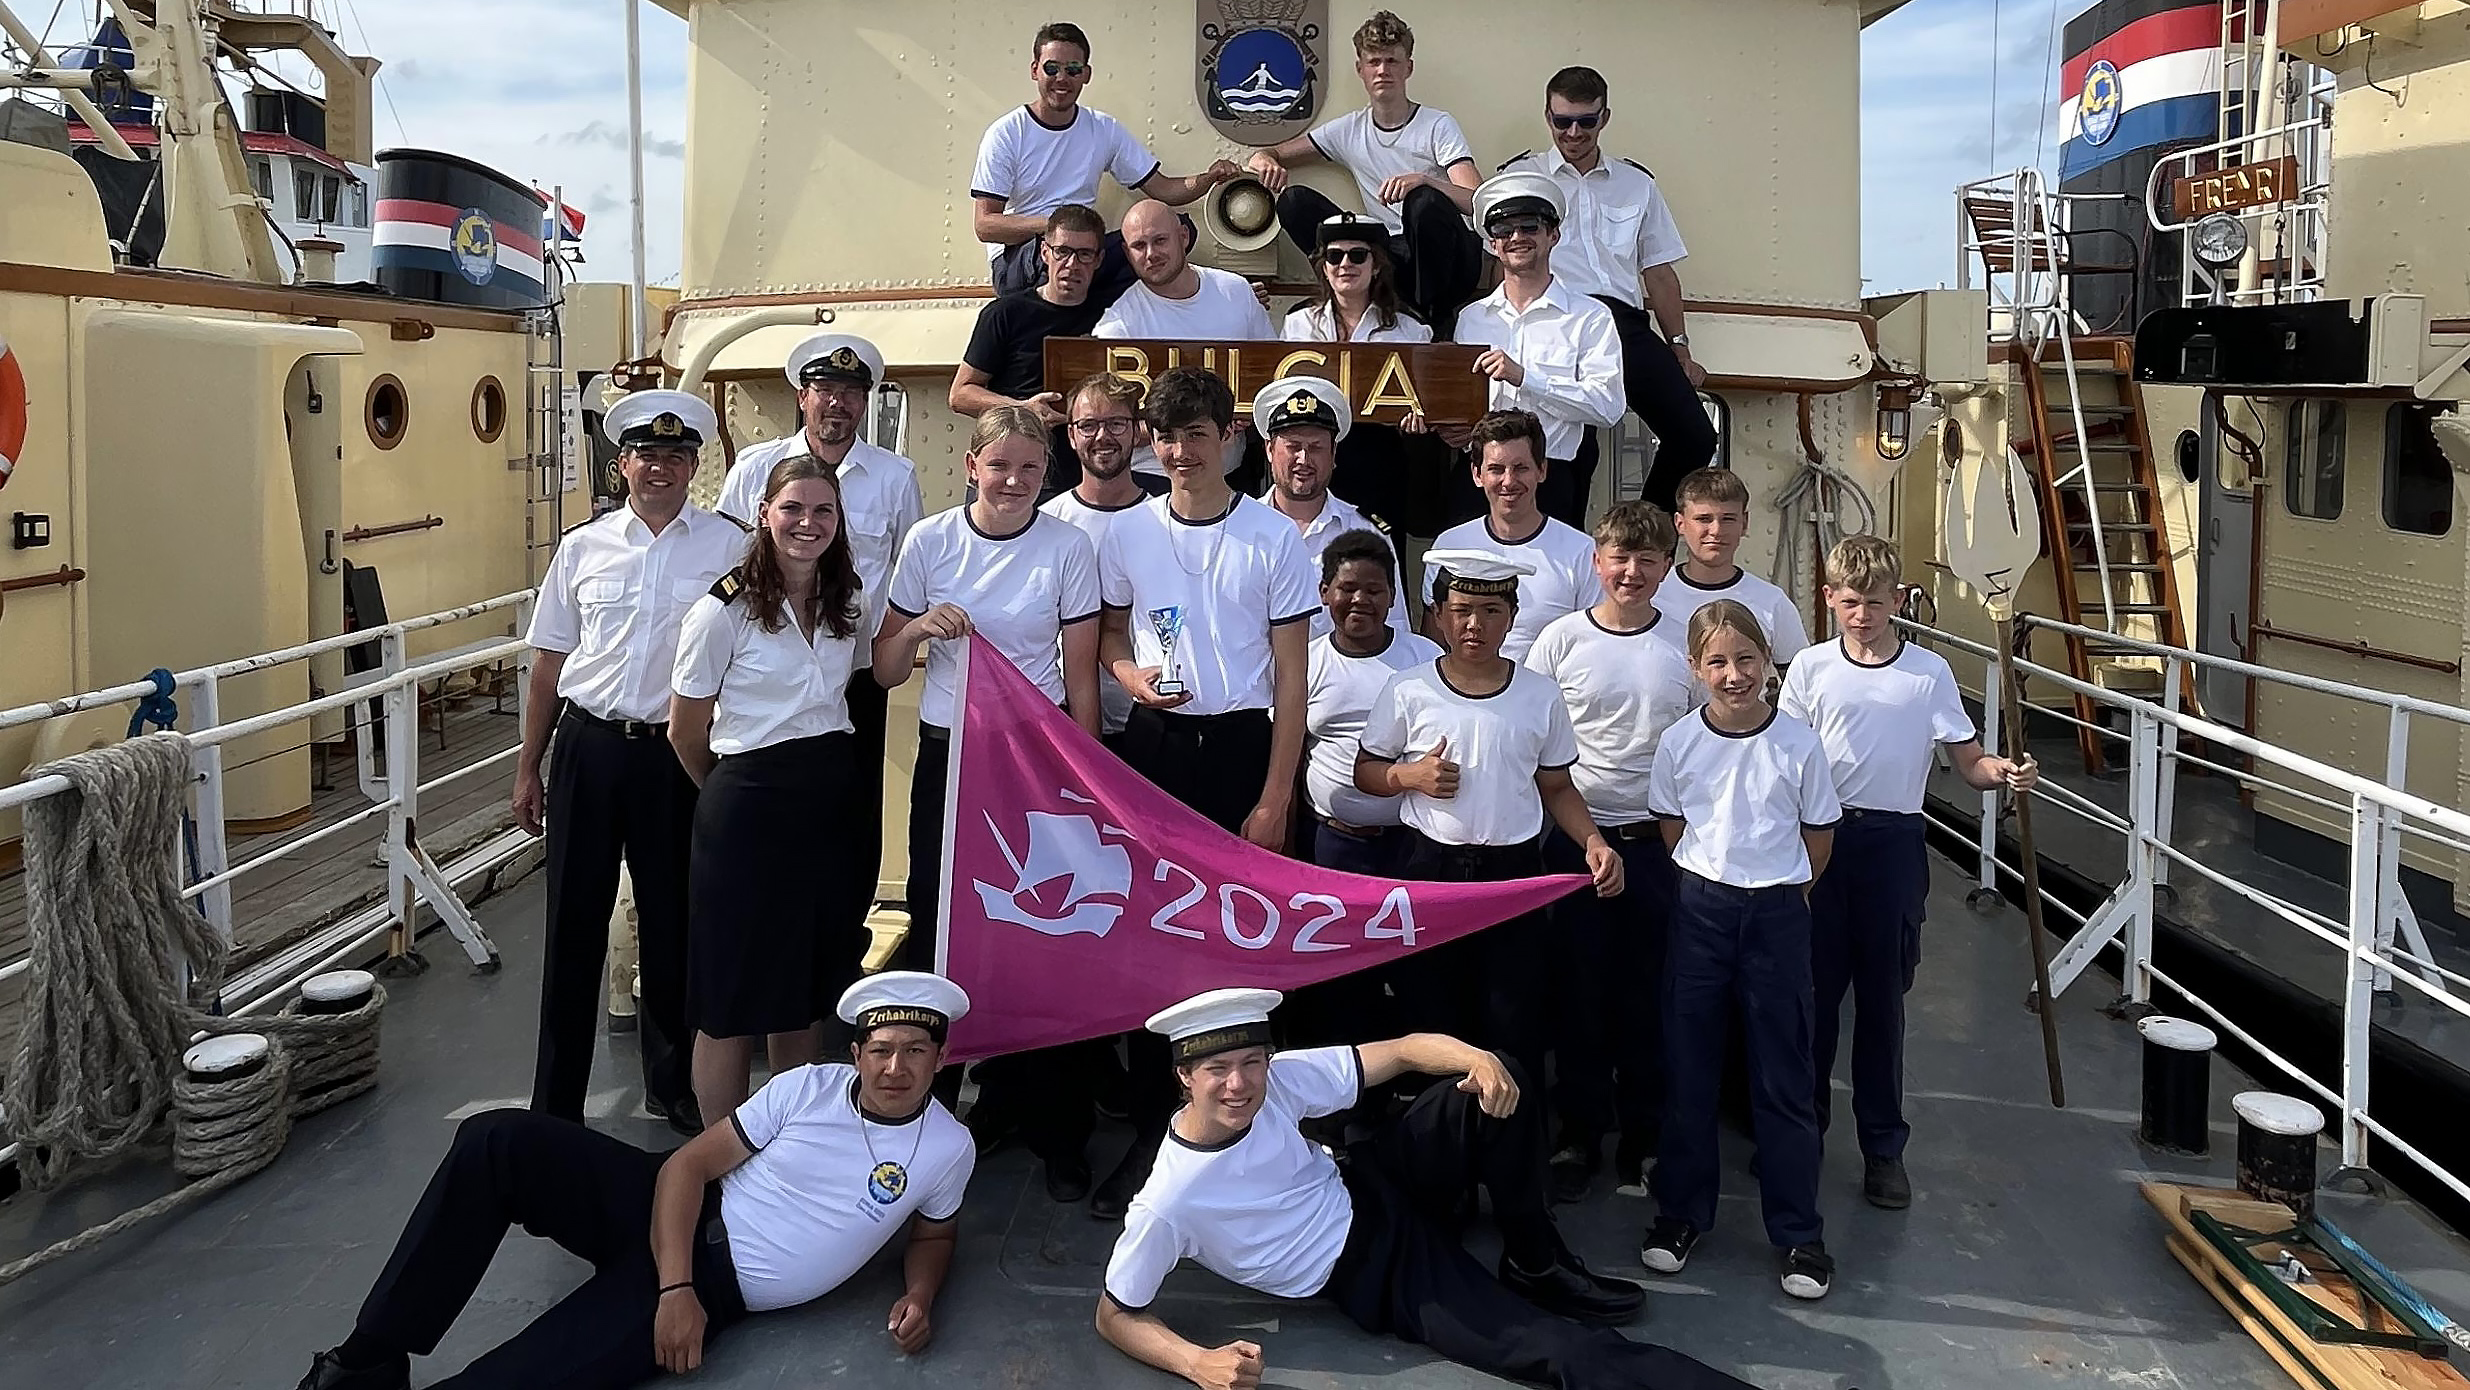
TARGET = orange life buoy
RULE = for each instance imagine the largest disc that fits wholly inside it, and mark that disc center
(12, 412)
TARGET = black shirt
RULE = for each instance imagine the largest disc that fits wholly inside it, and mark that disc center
(1009, 342)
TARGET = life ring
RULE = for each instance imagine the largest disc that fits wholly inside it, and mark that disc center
(12, 411)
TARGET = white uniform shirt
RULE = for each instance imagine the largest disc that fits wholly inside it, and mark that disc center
(612, 601)
(1564, 580)
(1339, 516)
(1679, 598)
(1429, 143)
(1036, 168)
(827, 1187)
(1223, 308)
(1617, 224)
(1021, 591)
(1094, 522)
(1623, 689)
(880, 501)
(1744, 799)
(1338, 697)
(1317, 323)
(1570, 352)
(1499, 741)
(1233, 579)
(773, 686)
(1265, 1209)
(1878, 723)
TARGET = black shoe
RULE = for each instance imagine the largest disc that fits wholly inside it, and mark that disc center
(624, 1023)
(1884, 1184)
(681, 1113)
(1573, 1291)
(1629, 1167)
(991, 1127)
(1114, 1196)
(328, 1372)
(1808, 1270)
(1570, 1172)
(1067, 1179)
(1667, 1246)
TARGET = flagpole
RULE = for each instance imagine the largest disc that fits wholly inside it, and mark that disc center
(635, 335)
(2011, 720)
(951, 812)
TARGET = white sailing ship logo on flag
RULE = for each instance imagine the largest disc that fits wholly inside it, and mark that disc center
(1066, 848)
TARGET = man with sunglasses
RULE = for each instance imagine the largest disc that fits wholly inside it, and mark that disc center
(1039, 157)
(1623, 247)
(1005, 362)
(1549, 350)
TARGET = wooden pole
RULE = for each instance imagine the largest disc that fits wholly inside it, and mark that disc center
(2012, 719)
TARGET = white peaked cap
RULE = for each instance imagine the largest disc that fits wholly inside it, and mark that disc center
(692, 420)
(834, 352)
(914, 997)
(1219, 1020)
(1512, 187)
(1282, 404)
(1479, 564)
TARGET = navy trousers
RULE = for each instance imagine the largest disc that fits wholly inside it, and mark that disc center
(1357, 1004)
(1744, 950)
(1487, 988)
(1865, 938)
(1608, 1040)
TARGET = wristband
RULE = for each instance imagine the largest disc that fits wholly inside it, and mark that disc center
(668, 1289)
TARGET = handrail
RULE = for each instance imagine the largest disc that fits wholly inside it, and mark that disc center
(2186, 159)
(393, 528)
(2306, 639)
(2367, 694)
(66, 574)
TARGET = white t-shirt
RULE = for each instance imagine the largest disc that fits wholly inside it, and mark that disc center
(1315, 323)
(880, 501)
(1036, 168)
(1339, 695)
(1222, 309)
(1429, 143)
(1339, 516)
(1220, 586)
(773, 686)
(1499, 741)
(1020, 591)
(1878, 723)
(1265, 1209)
(1623, 689)
(1094, 522)
(1744, 799)
(827, 1187)
(612, 601)
(1617, 224)
(1564, 580)
(1679, 598)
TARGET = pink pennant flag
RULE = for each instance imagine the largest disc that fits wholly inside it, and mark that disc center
(1078, 899)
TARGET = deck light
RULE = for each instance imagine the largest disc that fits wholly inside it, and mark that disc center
(1895, 421)
(2219, 241)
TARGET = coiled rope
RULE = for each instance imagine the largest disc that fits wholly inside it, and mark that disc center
(98, 1061)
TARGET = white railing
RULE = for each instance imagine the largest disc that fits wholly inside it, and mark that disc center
(389, 778)
(2290, 230)
(2379, 937)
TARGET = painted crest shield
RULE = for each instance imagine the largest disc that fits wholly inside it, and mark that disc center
(1260, 66)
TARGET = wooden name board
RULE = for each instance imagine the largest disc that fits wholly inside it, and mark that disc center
(2246, 186)
(1384, 381)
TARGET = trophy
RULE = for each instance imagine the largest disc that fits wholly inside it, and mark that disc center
(1168, 624)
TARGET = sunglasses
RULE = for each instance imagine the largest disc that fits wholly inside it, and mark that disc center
(1347, 255)
(1588, 121)
(1509, 227)
(1054, 69)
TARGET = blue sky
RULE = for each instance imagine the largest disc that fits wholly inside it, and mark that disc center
(544, 99)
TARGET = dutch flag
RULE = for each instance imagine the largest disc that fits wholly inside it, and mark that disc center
(2153, 78)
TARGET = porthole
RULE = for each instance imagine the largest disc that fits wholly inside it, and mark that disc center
(488, 410)
(388, 411)
(2190, 455)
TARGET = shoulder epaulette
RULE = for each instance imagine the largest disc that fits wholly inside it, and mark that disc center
(743, 526)
(729, 586)
(576, 527)
(1504, 164)
(1641, 168)
(1378, 525)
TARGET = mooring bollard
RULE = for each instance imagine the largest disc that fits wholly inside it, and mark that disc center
(2277, 1149)
(336, 992)
(2178, 1084)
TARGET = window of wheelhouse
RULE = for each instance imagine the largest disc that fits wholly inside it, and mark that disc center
(2312, 459)
(2418, 483)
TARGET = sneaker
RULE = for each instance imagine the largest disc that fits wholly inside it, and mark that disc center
(1808, 1270)
(1629, 1167)
(1668, 1245)
(1884, 1184)
(1571, 1171)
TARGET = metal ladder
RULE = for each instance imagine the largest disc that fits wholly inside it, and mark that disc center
(549, 394)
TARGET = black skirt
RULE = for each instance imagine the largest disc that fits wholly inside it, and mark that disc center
(771, 940)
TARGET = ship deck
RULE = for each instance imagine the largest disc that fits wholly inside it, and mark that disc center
(2027, 1259)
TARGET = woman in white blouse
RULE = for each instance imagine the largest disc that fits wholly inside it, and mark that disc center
(759, 715)
(1355, 300)
(998, 567)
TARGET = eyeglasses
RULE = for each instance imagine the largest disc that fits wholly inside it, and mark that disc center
(1054, 69)
(1113, 424)
(1588, 121)
(1072, 255)
(1346, 255)
(1509, 227)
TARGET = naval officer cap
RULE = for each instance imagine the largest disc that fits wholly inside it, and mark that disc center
(1294, 401)
(1479, 573)
(912, 997)
(645, 418)
(835, 357)
(1350, 226)
(1517, 194)
(1221, 1020)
